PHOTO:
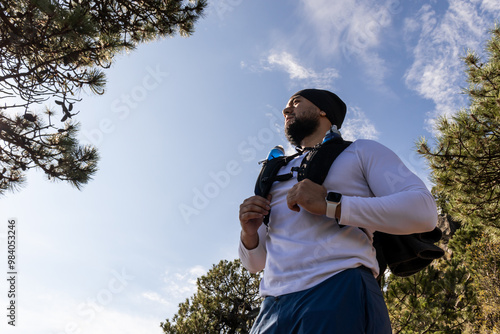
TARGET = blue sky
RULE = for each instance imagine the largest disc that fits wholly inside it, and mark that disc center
(181, 128)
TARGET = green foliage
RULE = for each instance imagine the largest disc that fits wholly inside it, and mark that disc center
(458, 294)
(57, 154)
(227, 301)
(482, 258)
(461, 293)
(50, 50)
(431, 301)
(466, 160)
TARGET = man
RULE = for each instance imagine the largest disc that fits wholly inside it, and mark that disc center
(320, 264)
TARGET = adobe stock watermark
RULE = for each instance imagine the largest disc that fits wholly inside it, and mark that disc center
(122, 107)
(88, 310)
(357, 44)
(412, 165)
(248, 150)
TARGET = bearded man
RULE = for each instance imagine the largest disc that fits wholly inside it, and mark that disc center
(317, 249)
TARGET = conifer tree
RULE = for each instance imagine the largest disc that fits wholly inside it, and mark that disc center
(478, 251)
(439, 299)
(227, 301)
(51, 50)
(460, 293)
(465, 161)
(465, 165)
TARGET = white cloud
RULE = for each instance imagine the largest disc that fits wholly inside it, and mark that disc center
(353, 30)
(286, 62)
(358, 126)
(156, 297)
(178, 286)
(112, 321)
(343, 23)
(491, 6)
(437, 72)
(181, 285)
(55, 312)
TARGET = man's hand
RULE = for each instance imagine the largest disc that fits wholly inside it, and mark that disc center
(252, 213)
(307, 195)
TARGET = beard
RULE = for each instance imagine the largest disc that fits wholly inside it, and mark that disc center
(301, 128)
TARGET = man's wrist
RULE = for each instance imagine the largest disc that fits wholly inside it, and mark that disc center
(331, 210)
(249, 241)
(333, 202)
(338, 211)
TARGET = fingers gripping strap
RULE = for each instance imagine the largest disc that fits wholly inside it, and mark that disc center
(269, 174)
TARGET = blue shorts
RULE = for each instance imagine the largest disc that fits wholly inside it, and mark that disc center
(350, 302)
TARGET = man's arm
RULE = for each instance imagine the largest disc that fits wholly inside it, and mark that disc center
(402, 204)
(252, 251)
(252, 213)
(249, 241)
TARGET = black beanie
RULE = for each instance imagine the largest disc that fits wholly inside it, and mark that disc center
(328, 102)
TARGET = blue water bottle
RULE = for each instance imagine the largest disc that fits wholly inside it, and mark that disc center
(276, 152)
(331, 135)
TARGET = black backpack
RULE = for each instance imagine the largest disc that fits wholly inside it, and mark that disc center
(404, 254)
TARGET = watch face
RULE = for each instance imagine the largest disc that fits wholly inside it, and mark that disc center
(333, 197)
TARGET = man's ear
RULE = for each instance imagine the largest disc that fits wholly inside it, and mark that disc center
(322, 113)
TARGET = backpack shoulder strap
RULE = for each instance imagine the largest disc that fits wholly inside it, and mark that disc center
(269, 174)
(316, 164)
(404, 254)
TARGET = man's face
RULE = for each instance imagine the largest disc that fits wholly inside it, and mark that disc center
(301, 119)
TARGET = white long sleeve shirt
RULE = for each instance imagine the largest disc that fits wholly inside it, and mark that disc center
(300, 249)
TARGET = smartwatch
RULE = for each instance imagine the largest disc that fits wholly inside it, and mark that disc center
(333, 199)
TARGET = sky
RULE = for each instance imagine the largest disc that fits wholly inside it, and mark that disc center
(181, 128)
